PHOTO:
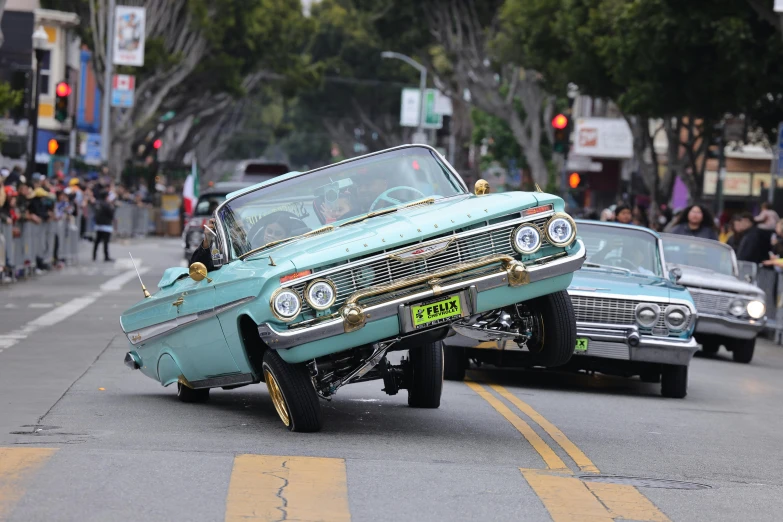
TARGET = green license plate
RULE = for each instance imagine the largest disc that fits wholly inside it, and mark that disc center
(433, 312)
(581, 345)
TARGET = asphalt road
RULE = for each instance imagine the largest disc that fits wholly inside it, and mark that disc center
(83, 438)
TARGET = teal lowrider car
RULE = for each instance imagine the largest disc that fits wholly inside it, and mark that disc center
(319, 274)
(631, 316)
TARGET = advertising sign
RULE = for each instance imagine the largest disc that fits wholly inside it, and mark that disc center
(169, 207)
(603, 138)
(435, 106)
(123, 87)
(129, 30)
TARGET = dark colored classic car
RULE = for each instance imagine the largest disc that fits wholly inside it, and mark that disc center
(731, 311)
(384, 252)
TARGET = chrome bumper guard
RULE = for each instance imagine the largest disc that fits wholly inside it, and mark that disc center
(730, 327)
(343, 322)
(622, 340)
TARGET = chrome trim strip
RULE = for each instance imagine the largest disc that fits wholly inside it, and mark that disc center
(296, 336)
(156, 330)
(386, 255)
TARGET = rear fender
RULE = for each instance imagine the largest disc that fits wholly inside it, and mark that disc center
(168, 370)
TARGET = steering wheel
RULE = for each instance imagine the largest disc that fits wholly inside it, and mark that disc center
(385, 197)
(259, 226)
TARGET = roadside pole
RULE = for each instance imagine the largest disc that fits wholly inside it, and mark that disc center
(721, 172)
(107, 73)
(775, 174)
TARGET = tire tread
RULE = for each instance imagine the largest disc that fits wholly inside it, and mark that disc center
(301, 400)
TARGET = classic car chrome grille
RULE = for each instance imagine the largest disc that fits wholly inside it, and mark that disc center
(385, 270)
(712, 303)
(607, 310)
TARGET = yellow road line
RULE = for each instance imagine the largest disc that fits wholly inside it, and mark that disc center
(266, 487)
(626, 502)
(581, 460)
(566, 498)
(551, 459)
(17, 465)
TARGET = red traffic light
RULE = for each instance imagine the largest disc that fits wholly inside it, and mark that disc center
(560, 121)
(63, 89)
(574, 179)
(156, 144)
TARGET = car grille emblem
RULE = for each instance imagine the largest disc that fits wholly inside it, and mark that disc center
(421, 252)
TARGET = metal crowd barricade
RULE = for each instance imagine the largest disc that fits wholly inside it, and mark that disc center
(3, 249)
(123, 218)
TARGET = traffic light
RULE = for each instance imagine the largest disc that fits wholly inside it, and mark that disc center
(157, 144)
(57, 145)
(561, 125)
(574, 180)
(52, 146)
(63, 91)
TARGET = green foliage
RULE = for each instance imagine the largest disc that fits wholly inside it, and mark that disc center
(9, 98)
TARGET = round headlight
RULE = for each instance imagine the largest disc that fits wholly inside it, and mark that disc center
(285, 304)
(526, 239)
(647, 314)
(676, 317)
(737, 307)
(560, 230)
(320, 294)
(756, 309)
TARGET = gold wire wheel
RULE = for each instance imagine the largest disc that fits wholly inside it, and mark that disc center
(277, 397)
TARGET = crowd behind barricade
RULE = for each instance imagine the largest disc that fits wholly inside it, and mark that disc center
(43, 219)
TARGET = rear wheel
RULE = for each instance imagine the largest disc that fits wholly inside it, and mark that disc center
(742, 350)
(710, 346)
(425, 382)
(455, 363)
(674, 381)
(554, 329)
(651, 376)
(186, 394)
(292, 393)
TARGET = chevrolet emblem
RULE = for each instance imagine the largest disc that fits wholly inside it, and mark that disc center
(421, 252)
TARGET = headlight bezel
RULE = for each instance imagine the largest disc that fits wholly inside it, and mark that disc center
(275, 312)
(312, 284)
(763, 309)
(686, 315)
(643, 306)
(550, 222)
(738, 305)
(517, 230)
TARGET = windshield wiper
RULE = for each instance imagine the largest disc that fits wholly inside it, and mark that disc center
(317, 231)
(607, 267)
(389, 210)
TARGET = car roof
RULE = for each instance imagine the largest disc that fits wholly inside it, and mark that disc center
(696, 239)
(619, 225)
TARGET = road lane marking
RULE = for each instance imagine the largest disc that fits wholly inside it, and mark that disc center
(626, 502)
(268, 487)
(581, 460)
(65, 311)
(17, 465)
(40, 305)
(566, 498)
(551, 459)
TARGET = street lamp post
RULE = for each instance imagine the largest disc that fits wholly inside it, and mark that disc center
(40, 41)
(422, 83)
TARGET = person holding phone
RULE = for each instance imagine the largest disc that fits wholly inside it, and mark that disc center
(203, 253)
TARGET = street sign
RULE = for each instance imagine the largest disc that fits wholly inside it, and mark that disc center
(432, 120)
(123, 87)
(434, 108)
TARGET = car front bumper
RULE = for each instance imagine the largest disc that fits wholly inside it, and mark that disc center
(730, 327)
(625, 343)
(384, 320)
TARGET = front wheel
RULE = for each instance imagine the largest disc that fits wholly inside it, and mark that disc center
(425, 382)
(742, 350)
(555, 341)
(186, 394)
(455, 363)
(293, 394)
(674, 381)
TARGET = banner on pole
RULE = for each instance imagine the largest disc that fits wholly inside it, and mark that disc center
(129, 35)
(123, 87)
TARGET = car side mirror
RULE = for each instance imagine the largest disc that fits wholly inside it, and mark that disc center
(748, 278)
(675, 274)
(198, 272)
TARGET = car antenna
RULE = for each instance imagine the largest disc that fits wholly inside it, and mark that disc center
(143, 288)
(538, 189)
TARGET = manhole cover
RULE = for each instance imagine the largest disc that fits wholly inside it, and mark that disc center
(642, 482)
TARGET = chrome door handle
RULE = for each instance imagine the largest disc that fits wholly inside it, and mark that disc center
(178, 302)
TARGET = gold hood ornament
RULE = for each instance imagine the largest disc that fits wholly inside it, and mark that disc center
(481, 187)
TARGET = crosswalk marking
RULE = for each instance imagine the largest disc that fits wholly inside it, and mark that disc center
(265, 487)
(17, 466)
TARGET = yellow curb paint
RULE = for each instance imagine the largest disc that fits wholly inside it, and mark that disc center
(17, 466)
(566, 498)
(581, 460)
(266, 487)
(551, 459)
(625, 502)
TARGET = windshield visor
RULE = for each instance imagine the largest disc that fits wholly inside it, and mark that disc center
(332, 195)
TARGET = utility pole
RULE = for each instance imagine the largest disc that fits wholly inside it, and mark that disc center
(422, 87)
(40, 41)
(721, 171)
(106, 100)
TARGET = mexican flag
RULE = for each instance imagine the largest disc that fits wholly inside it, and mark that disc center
(190, 190)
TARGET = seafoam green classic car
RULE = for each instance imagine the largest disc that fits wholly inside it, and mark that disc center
(318, 275)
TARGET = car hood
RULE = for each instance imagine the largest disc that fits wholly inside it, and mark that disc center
(635, 286)
(711, 280)
(402, 228)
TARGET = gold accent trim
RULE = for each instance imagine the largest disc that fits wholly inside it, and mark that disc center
(146, 293)
(184, 381)
(272, 304)
(538, 189)
(353, 317)
(514, 235)
(397, 255)
(198, 272)
(179, 302)
(435, 286)
(322, 280)
(277, 397)
(517, 274)
(559, 215)
(481, 188)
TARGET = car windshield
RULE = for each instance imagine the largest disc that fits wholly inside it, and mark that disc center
(625, 249)
(207, 203)
(333, 195)
(701, 254)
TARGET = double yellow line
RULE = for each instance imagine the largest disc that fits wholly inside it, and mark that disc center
(568, 498)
